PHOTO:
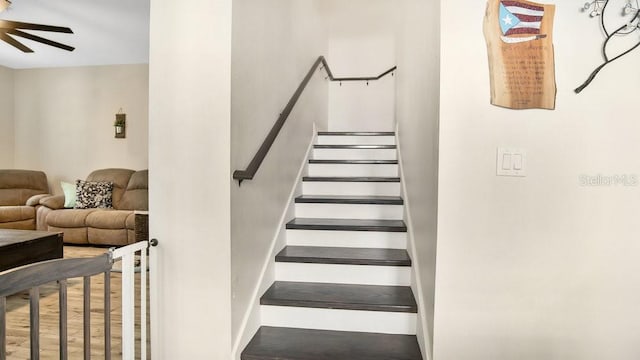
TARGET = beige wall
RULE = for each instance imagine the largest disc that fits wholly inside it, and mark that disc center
(6, 118)
(538, 267)
(362, 42)
(190, 178)
(275, 43)
(417, 116)
(64, 120)
(361, 36)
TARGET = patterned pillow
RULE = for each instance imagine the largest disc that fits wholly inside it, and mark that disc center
(93, 194)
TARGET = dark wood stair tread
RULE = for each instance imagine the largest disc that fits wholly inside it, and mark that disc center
(358, 162)
(351, 178)
(276, 343)
(347, 224)
(354, 146)
(349, 199)
(344, 256)
(356, 133)
(341, 296)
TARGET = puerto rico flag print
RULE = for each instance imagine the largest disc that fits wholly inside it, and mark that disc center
(520, 19)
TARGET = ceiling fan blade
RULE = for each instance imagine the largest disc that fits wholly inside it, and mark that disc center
(15, 43)
(40, 39)
(6, 24)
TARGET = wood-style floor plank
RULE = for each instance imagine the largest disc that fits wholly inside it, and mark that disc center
(341, 296)
(359, 162)
(274, 343)
(347, 224)
(354, 147)
(356, 133)
(344, 256)
(349, 199)
(350, 179)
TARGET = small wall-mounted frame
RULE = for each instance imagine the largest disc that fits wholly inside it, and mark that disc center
(120, 126)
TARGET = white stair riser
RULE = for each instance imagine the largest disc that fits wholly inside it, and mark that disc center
(356, 140)
(350, 188)
(384, 170)
(354, 154)
(344, 274)
(364, 239)
(349, 211)
(339, 320)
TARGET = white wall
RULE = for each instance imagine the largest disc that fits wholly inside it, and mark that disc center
(64, 120)
(189, 154)
(538, 267)
(418, 102)
(362, 43)
(6, 118)
(354, 106)
(275, 43)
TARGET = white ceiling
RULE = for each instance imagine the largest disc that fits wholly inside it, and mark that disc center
(106, 32)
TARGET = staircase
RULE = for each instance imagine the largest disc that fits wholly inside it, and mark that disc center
(342, 287)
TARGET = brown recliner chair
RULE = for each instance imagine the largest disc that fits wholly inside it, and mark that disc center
(20, 194)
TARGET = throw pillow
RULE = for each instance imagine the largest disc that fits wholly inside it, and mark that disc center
(69, 191)
(93, 194)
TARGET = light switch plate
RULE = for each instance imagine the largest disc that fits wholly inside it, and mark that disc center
(511, 162)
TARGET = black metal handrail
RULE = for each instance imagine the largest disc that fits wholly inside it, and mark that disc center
(254, 165)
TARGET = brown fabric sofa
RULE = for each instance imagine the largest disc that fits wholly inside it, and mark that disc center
(20, 195)
(115, 226)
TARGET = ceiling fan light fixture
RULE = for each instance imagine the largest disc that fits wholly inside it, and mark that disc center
(4, 4)
(9, 30)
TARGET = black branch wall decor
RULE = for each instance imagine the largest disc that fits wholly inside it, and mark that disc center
(631, 13)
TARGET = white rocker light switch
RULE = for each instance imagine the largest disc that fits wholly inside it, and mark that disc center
(511, 162)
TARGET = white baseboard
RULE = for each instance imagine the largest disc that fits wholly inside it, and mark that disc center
(364, 239)
(344, 274)
(349, 211)
(383, 322)
(415, 265)
(338, 170)
(354, 154)
(351, 188)
(251, 319)
(356, 140)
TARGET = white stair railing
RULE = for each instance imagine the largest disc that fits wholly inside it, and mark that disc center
(127, 255)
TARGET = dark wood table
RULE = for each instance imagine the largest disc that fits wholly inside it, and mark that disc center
(141, 227)
(23, 247)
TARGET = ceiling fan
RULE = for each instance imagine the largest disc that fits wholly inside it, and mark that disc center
(10, 29)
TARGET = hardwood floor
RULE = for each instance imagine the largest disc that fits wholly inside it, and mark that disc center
(18, 316)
